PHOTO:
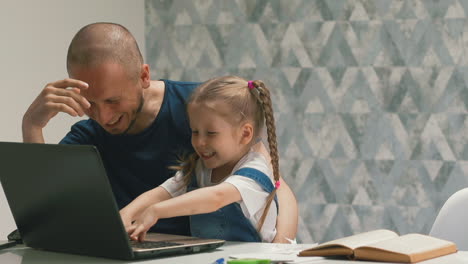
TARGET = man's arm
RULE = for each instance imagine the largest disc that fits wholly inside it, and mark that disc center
(54, 98)
(286, 223)
(31, 134)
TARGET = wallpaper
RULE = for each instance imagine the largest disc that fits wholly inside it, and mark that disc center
(370, 97)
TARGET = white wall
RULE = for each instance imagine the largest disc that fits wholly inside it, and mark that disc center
(34, 37)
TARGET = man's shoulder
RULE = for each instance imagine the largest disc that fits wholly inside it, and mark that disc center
(87, 127)
(85, 124)
(180, 87)
(82, 132)
(180, 83)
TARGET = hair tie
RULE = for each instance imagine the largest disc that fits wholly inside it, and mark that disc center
(277, 184)
(250, 85)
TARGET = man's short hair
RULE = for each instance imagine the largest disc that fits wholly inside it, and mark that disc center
(102, 42)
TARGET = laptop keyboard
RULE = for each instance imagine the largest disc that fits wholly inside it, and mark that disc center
(152, 244)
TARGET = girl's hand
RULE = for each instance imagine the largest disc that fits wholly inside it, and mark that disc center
(141, 226)
(126, 219)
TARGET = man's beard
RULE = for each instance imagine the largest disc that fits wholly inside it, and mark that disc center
(132, 123)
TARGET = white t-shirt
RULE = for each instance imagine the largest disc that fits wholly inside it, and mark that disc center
(253, 196)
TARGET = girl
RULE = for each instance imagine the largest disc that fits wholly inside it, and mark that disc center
(227, 185)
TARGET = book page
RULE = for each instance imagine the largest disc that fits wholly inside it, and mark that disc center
(346, 245)
(416, 247)
(366, 238)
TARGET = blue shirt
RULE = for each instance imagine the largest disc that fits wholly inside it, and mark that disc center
(139, 162)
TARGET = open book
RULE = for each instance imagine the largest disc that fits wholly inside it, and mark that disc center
(384, 245)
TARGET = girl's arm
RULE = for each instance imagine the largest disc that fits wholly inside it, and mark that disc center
(199, 201)
(134, 209)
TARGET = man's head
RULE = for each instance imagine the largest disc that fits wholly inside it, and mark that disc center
(100, 43)
(107, 57)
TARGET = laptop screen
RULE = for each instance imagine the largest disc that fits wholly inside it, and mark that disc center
(61, 199)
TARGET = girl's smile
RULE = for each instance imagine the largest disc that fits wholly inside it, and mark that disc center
(216, 140)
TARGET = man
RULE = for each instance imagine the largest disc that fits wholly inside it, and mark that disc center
(139, 125)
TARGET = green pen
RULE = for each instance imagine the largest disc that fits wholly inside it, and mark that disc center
(249, 261)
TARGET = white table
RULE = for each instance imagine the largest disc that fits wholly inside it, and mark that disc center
(25, 255)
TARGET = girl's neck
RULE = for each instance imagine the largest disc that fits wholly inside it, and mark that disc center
(219, 173)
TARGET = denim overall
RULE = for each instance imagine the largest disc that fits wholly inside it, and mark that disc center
(229, 223)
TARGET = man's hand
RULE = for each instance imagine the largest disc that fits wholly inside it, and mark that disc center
(60, 96)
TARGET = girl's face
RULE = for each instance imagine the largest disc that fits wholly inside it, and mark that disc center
(219, 143)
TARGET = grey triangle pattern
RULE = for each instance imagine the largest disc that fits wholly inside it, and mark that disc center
(370, 97)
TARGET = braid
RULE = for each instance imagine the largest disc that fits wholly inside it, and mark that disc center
(271, 129)
(264, 99)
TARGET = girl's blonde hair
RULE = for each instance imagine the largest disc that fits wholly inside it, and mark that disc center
(249, 101)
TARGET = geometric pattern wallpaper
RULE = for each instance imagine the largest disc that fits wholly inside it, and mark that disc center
(370, 97)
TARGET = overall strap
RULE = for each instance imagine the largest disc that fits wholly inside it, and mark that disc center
(228, 222)
(260, 177)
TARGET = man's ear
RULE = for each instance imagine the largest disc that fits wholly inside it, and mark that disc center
(246, 133)
(145, 76)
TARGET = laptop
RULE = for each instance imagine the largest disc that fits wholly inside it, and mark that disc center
(62, 201)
